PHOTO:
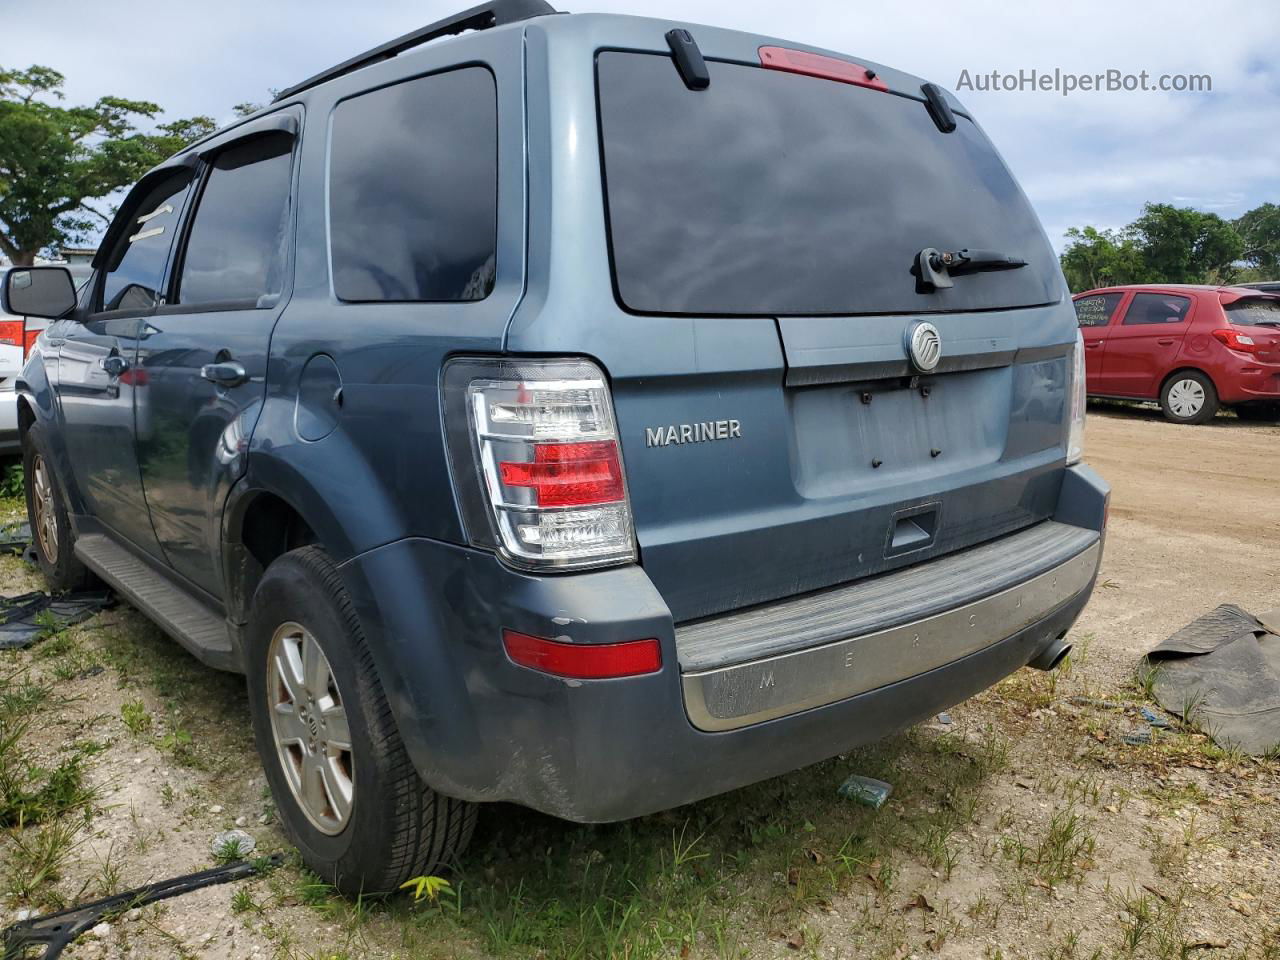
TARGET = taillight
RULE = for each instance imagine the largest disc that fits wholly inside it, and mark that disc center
(29, 338)
(14, 334)
(568, 474)
(583, 661)
(1079, 400)
(1237, 341)
(537, 463)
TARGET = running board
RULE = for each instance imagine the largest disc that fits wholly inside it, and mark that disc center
(200, 630)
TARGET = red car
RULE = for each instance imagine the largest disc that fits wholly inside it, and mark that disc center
(1192, 348)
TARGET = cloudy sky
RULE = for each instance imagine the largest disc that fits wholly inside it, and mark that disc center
(1089, 158)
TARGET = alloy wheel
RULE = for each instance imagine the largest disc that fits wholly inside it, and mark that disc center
(1186, 398)
(310, 727)
(46, 516)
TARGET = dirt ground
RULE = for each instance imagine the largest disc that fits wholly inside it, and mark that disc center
(1025, 828)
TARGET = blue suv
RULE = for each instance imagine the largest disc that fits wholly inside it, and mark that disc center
(588, 412)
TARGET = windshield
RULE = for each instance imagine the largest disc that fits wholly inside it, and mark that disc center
(776, 194)
(1254, 313)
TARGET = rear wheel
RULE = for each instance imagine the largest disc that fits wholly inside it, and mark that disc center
(347, 793)
(1189, 397)
(47, 513)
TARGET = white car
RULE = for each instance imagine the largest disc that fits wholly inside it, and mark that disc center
(17, 334)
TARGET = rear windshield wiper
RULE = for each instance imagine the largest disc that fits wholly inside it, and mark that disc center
(937, 266)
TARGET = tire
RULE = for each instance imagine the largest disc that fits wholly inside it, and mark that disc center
(1189, 397)
(51, 532)
(361, 817)
(1259, 412)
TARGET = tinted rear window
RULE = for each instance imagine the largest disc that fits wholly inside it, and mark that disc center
(772, 193)
(413, 188)
(1156, 308)
(1259, 312)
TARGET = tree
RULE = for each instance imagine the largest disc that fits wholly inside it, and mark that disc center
(1260, 231)
(1182, 245)
(1100, 258)
(54, 160)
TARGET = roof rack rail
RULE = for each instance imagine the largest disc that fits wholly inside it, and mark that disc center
(483, 17)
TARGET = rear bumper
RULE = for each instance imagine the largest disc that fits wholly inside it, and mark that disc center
(1243, 382)
(481, 728)
(10, 443)
(743, 693)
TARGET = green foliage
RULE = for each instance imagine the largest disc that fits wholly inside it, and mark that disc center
(1182, 245)
(135, 716)
(11, 482)
(1169, 244)
(1260, 231)
(428, 888)
(55, 159)
(1100, 258)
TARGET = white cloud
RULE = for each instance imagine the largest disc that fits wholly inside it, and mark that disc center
(1087, 158)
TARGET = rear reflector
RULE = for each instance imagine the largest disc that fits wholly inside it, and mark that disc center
(583, 661)
(816, 65)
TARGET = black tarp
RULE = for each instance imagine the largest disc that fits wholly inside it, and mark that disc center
(1222, 673)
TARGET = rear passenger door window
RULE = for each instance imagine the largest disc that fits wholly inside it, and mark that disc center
(235, 253)
(1097, 310)
(413, 190)
(1156, 308)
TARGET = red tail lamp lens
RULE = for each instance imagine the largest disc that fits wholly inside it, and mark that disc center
(1236, 341)
(13, 333)
(583, 661)
(569, 474)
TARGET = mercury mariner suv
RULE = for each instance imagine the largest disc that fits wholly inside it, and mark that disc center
(588, 412)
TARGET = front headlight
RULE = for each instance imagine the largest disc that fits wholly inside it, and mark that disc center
(1079, 395)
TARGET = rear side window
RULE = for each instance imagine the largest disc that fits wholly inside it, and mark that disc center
(134, 273)
(1096, 311)
(1156, 308)
(413, 190)
(770, 193)
(1254, 313)
(236, 251)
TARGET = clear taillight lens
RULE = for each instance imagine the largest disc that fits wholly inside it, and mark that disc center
(546, 460)
(1078, 401)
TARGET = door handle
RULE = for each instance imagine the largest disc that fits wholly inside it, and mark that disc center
(228, 373)
(1166, 341)
(115, 364)
(1092, 344)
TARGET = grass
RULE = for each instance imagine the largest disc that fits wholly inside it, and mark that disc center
(34, 790)
(230, 850)
(754, 872)
(762, 858)
(135, 716)
(36, 857)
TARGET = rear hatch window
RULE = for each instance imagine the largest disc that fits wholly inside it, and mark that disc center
(771, 193)
(1254, 312)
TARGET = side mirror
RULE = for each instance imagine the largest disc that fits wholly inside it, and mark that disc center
(45, 292)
